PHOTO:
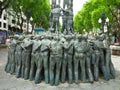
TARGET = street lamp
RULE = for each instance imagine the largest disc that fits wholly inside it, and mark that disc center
(28, 14)
(104, 21)
(107, 24)
(31, 25)
(107, 19)
(100, 21)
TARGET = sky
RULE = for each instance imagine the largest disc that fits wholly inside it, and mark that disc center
(77, 5)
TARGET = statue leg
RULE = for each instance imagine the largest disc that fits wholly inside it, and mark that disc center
(82, 66)
(27, 65)
(23, 64)
(70, 75)
(12, 63)
(112, 70)
(58, 66)
(16, 61)
(63, 74)
(63, 27)
(19, 58)
(52, 65)
(76, 70)
(93, 58)
(89, 72)
(107, 60)
(57, 26)
(32, 68)
(46, 69)
(71, 28)
(103, 67)
(38, 72)
(96, 69)
(8, 65)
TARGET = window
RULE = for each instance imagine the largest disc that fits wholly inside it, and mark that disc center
(13, 21)
(4, 17)
(4, 25)
(0, 24)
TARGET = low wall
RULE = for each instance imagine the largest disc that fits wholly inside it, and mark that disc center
(115, 50)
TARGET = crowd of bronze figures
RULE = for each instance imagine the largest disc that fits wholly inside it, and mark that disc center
(55, 58)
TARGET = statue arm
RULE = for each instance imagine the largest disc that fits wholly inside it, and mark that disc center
(50, 48)
(45, 49)
(68, 46)
(27, 45)
(23, 47)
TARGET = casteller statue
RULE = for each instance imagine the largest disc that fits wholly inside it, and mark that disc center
(27, 48)
(35, 56)
(43, 60)
(79, 57)
(56, 54)
(108, 62)
(99, 43)
(10, 66)
(55, 15)
(88, 57)
(64, 21)
(95, 59)
(67, 59)
(53, 3)
(12, 51)
(70, 20)
(67, 4)
(18, 56)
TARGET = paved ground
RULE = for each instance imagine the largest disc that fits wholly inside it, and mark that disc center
(10, 82)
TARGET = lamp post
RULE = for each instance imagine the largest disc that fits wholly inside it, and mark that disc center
(31, 23)
(105, 22)
(106, 25)
(28, 14)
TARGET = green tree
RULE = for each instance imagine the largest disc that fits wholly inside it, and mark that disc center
(91, 12)
(88, 17)
(39, 10)
(3, 5)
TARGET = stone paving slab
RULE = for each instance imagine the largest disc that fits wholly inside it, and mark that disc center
(10, 82)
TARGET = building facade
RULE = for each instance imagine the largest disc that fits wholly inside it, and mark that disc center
(10, 24)
(3, 27)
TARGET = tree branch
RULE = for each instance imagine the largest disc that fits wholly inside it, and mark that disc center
(7, 4)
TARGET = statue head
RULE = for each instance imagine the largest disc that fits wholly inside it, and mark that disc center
(79, 37)
(68, 37)
(49, 36)
(57, 6)
(100, 32)
(85, 37)
(56, 38)
(21, 37)
(38, 37)
(29, 36)
(51, 30)
(16, 37)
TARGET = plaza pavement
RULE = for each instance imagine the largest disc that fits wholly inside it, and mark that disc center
(10, 82)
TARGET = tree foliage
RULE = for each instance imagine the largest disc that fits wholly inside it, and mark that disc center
(88, 17)
(3, 5)
(39, 10)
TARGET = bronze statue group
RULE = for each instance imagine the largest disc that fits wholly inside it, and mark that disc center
(59, 58)
(65, 56)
